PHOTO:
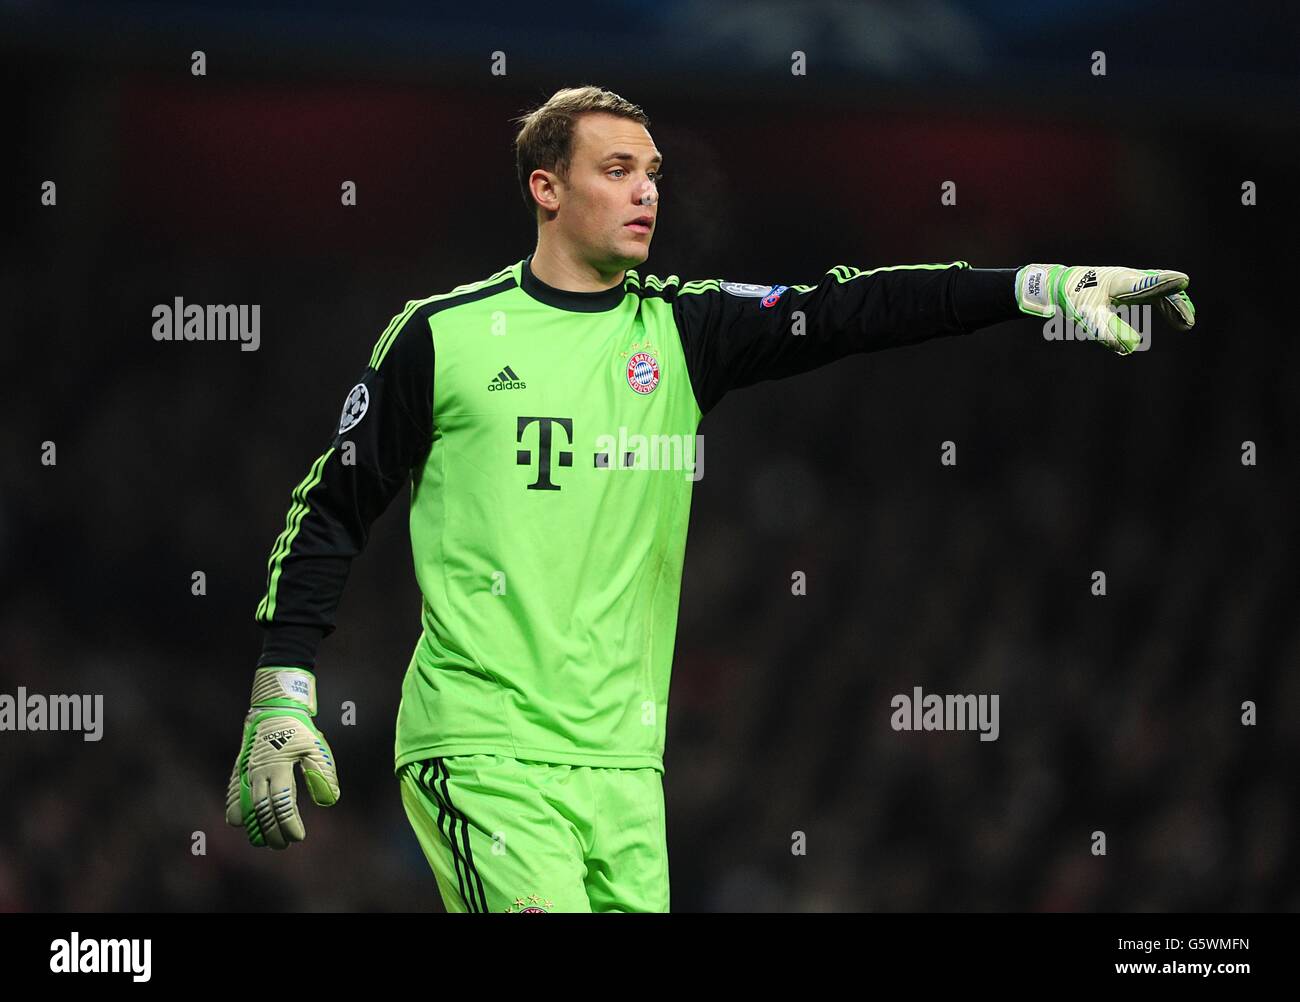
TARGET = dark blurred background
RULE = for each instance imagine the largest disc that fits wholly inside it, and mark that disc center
(1120, 714)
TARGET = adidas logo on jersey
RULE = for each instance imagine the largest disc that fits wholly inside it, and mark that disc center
(506, 379)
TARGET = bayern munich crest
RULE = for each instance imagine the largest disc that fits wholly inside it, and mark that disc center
(643, 372)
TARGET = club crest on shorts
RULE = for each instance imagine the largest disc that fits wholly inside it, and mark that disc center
(642, 368)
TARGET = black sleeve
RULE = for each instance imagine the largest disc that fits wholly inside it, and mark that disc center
(382, 438)
(736, 335)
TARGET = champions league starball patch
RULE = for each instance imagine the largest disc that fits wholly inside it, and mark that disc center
(643, 372)
(354, 408)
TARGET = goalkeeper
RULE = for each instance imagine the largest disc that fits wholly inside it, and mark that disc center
(530, 736)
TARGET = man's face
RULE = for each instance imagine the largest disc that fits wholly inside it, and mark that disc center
(601, 213)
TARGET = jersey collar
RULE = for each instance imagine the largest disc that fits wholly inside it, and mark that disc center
(562, 299)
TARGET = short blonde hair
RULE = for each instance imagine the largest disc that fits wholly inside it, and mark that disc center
(545, 137)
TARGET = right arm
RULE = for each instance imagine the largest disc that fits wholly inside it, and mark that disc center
(383, 436)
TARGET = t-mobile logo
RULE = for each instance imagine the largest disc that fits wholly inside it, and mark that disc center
(524, 457)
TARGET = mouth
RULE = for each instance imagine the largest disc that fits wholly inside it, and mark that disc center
(642, 224)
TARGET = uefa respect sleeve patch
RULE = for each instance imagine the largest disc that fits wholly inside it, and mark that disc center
(769, 294)
(745, 289)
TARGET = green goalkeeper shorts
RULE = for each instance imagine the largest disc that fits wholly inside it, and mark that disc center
(505, 835)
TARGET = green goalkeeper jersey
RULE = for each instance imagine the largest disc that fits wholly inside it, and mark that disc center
(549, 442)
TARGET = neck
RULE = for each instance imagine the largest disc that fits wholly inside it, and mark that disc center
(560, 268)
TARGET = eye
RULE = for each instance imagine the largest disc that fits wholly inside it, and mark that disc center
(657, 176)
(617, 170)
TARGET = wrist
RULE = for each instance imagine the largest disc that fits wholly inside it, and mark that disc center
(1037, 286)
(288, 688)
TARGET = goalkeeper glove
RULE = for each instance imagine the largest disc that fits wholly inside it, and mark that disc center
(1089, 298)
(262, 797)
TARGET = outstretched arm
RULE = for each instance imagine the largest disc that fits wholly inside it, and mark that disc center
(735, 335)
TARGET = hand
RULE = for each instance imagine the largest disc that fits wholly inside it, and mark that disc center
(1089, 296)
(262, 797)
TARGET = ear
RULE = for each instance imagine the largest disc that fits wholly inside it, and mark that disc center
(544, 186)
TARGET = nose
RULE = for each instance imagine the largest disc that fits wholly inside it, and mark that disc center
(648, 193)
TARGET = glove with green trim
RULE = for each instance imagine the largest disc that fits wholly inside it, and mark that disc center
(1090, 297)
(262, 797)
